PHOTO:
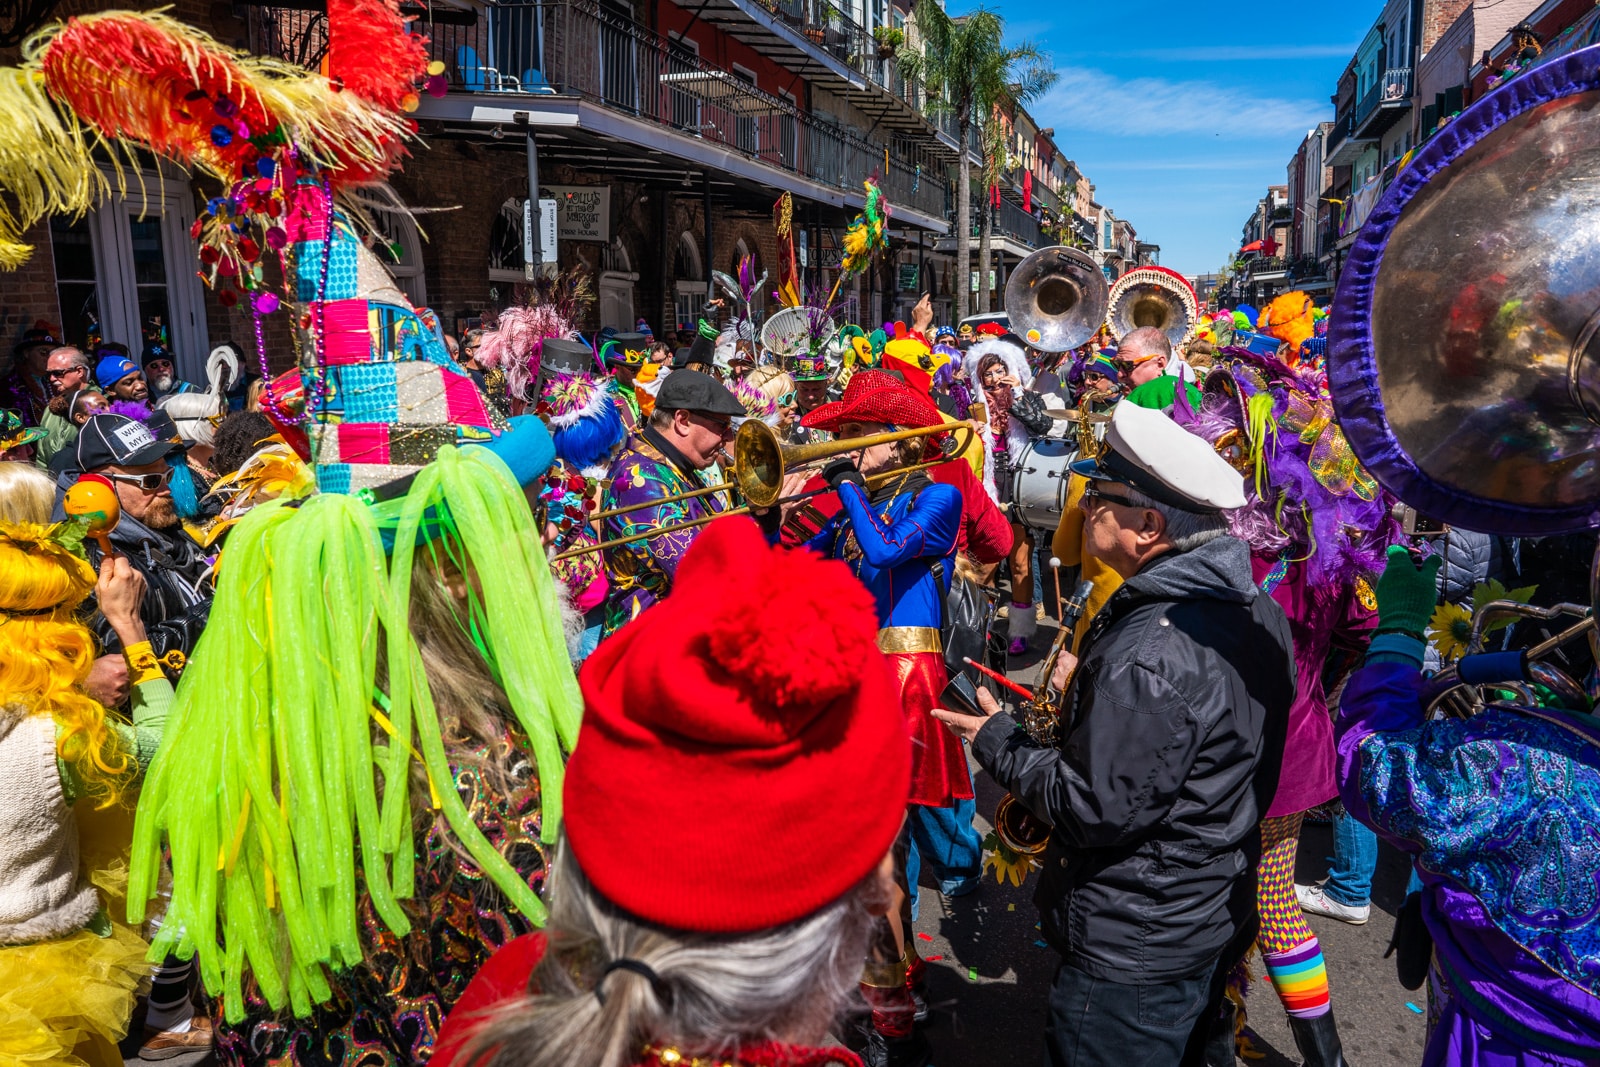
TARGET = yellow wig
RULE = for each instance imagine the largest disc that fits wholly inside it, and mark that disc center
(48, 653)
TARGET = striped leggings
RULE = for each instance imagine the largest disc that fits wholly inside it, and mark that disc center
(1288, 947)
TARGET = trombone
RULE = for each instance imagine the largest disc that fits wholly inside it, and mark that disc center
(760, 461)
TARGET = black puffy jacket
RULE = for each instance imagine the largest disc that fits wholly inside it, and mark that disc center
(1181, 697)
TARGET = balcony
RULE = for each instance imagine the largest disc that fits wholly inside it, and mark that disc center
(580, 51)
(1384, 103)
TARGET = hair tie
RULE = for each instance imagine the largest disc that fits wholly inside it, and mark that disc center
(643, 970)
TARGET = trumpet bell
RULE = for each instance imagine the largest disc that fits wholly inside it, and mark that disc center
(758, 463)
(1153, 296)
(1464, 346)
(1056, 298)
(760, 459)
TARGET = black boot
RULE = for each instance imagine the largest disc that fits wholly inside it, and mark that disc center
(1318, 1040)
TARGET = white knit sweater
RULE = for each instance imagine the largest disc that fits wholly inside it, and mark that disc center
(42, 894)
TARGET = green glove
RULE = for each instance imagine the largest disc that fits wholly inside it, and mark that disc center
(1407, 593)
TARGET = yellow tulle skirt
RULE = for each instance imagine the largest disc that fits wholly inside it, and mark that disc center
(68, 1001)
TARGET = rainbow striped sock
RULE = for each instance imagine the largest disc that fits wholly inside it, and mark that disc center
(1301, 979)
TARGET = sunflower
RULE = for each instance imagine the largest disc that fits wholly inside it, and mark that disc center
(1449, 630)
(1008, 865)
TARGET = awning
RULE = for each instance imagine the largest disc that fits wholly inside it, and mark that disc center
(1253, 246)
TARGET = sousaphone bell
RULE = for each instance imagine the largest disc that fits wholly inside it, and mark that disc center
(1153, 296)
(1464, 343)
(1056, 298)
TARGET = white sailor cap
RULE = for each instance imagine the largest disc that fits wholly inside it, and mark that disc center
(1149, 452)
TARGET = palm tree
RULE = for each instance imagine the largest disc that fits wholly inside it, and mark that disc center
(970, 73)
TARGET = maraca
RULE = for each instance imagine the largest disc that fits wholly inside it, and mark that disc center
(93, 497)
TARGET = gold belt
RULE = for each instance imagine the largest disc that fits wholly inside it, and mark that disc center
(909, 639)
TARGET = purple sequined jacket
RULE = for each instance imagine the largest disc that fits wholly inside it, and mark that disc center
(1501, 814)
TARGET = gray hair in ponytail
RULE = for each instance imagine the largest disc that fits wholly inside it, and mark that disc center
(717, 992)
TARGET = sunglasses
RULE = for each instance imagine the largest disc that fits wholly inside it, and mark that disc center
(148, 482)
(786, 400)
(722, 426)
(1093, 492)
(64, 373)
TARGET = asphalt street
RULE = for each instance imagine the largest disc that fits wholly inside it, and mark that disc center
(989, 972)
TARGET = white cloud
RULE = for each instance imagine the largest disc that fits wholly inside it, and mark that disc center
(1093, 101)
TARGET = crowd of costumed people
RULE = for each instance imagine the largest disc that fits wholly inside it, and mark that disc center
(561, 695)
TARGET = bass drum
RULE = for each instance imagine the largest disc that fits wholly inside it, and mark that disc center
(1039, 483)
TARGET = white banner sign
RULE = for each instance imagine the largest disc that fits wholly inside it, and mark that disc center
(583, 212)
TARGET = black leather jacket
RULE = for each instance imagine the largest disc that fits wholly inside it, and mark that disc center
(1173, 733)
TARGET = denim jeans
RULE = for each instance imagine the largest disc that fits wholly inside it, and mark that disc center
(944, 837)
(1355, 858)
(593, 624)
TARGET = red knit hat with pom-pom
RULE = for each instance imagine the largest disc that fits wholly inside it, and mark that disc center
(743, 759)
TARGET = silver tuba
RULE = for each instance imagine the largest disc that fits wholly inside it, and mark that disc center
(1464, 348)
(1464, 343)
(1153, 296)
(1056, 298)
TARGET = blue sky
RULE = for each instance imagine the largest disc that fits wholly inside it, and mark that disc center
(1182, 114)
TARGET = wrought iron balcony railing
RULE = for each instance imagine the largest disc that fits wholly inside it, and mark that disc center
(578, 48)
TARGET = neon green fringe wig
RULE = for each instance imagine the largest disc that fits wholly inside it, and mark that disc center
(267, 783)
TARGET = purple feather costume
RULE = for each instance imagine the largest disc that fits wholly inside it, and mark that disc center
(1304, 522)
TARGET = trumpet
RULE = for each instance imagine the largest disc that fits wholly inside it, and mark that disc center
(760, 462)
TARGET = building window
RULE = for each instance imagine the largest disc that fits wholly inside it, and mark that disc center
(125, 272)
(689, 285)
(76, 280)
(399, 249)
(505, 243)
(746, 131)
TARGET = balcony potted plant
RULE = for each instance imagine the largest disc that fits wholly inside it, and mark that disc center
(890, 39)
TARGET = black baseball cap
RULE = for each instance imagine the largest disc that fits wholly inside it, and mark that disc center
(108, 440)
(692, 390)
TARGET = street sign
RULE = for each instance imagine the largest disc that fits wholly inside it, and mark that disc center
(547, 230)
(529, 264)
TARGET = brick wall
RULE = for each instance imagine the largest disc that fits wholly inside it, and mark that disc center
(455, 252)
(1437, 15)
(28, 295)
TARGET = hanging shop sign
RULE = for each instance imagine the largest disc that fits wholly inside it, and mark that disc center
(583, 212)
(908, 276)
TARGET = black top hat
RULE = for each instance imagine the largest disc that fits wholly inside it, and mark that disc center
(557, 356)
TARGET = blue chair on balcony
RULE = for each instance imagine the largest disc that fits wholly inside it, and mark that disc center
(533, 82)
(477, 78)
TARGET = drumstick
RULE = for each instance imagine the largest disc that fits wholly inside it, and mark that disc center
(1055, 574)
(997, 676)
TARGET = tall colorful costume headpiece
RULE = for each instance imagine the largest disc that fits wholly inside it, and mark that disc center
(267, 786)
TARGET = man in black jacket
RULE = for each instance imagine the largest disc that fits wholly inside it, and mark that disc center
(1172, 730)
(177, 598)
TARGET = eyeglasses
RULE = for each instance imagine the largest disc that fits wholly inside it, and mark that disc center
(786, 400)
(148, 482)
(722, 426)
(64, 373)
(1093, 492)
